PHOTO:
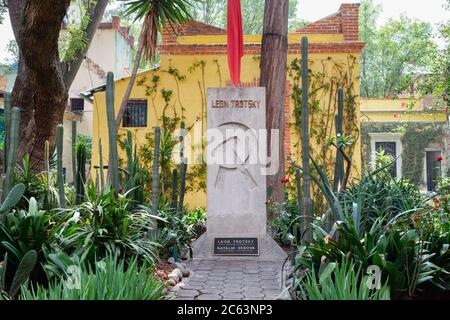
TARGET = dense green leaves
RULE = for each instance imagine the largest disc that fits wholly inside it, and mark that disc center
(110, 279)
(395, 53)
(214, 12)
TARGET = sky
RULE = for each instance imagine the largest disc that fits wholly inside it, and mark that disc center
(312, 10)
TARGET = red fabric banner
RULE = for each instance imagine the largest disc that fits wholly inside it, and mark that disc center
(235, 40)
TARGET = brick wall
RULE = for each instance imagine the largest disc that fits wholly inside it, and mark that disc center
(344, 22)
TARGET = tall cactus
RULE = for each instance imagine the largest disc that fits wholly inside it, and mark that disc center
(59, 164)
(182, 186)
(74, 151)
(183, 168)
(155, 176)
(81, 172)
(129, 152)
(12, 150)
(102, 174)
(113, 166)
(7, 117)
(174, 202)
(339, 170)
(307, 203)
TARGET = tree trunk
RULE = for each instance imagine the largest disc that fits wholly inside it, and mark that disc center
(24, 91)
(38, 43)
(273, 77)
(137, 62)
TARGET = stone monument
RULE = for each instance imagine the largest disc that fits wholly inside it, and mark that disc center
(236, 183)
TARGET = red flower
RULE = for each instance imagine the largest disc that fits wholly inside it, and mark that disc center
(403, 104)
(446, 110)
(284, 180)
(440, 158)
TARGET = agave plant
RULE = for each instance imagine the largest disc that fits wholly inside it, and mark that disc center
(111, 278)
(339, 281)
(106, 222)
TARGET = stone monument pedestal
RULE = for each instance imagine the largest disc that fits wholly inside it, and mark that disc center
(236, 187)
(269, 250)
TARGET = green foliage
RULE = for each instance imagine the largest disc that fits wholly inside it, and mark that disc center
(394, 53)
(110, 279)
(213, 12)
(80, 179)
(106, 222)
(60, 179)
(136, 175)
(113, 163)
(21, 274)
(287, 221)
(374, 226)
(437, 82)
(177, 230)
(339, 282)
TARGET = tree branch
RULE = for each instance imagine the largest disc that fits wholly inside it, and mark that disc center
(70, 69)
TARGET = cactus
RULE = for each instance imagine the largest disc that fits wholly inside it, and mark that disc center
(174, 190)
(182, 133)
(299, 189)
(7, 117)
(47, 158)
(183, 168)
(59, 155)
(339, 166)
(129, 152)
(155, 177)
(113, 166)
(102, 174)
(13, 140)
(26, 266)
(182, 186)
(81, 172)
(307, 203)
(12, 198)
(74, 151)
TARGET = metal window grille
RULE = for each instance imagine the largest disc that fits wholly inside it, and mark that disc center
(77, 104)
(135, 114)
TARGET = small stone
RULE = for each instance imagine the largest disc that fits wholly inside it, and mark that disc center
(184, 271)
(176, 274)
(171, 260)
(171, 282)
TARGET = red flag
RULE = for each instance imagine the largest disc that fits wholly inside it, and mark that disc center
(235, 40)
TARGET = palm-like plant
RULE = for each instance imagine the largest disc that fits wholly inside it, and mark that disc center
(155, 14)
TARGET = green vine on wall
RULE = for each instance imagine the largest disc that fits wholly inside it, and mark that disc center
(323, 88)
(416, 137)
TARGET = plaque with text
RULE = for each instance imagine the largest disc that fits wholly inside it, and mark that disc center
(236, 246)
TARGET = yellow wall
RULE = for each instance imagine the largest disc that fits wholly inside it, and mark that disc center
(398, 110)
(191, 96)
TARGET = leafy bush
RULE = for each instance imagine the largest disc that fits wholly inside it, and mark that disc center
(110, 279)
(339, 282)
(287, 222)
(105, 222)
(178, 230)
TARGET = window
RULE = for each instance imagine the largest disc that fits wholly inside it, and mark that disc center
(433, 169)
(389, 148)
(77, 104)
(391, 144)
(135, 114)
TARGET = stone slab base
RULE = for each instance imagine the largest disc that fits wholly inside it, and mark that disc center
(269, 250)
